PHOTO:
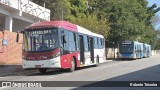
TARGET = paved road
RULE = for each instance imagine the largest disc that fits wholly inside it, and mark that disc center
(147, 69)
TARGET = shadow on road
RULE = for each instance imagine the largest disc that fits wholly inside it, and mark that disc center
(16, 70)
(147, 74)
(57, 71)
(124, 59)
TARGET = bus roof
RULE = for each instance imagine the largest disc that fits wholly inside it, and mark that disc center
(129, 42)
(85, 31)
(65, 25)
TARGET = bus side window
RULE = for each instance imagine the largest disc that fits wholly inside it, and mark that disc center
(95, 42)
(86, 43)
(66, 43)
(72, 41)
(88, 38)
(75, 40)
(100, 43)
(103, 43)
(63, 37)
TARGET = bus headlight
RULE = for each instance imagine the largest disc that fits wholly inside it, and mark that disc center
(56, 55)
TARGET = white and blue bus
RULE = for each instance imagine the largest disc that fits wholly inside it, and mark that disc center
(130, 50)
(146, 50)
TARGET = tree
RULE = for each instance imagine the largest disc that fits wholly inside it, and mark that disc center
(81, 13)
(77, 8)
(129, 19)
(59, 9)
(93, 24)
(117, 20)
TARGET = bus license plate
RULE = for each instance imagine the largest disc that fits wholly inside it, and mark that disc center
(37, 66)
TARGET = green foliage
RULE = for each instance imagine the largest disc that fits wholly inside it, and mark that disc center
(92, 23)
(129, 19)
(81, 14)
(117, 20)
(77, 8)
(59, 9)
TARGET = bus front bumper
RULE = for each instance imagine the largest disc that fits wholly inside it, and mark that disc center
(50, 63)
(127, 56)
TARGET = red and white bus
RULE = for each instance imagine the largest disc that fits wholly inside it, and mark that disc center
(60, 44)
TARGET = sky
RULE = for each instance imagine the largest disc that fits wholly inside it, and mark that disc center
(151, 2)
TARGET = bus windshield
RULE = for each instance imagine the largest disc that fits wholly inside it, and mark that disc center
(40, 39)
(126, 48)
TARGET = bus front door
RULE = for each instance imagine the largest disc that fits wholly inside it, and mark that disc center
(81, 47)
(91, 49)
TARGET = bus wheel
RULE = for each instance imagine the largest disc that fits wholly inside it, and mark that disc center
(72, 66)
(42, 70)
(97, 62)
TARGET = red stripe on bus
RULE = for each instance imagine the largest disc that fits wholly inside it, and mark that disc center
(66, 60)
(40, 55)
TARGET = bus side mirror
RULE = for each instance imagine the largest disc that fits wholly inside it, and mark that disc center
(17, 38)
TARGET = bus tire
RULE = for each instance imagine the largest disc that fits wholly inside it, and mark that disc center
(72, 66)
(42, 70)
